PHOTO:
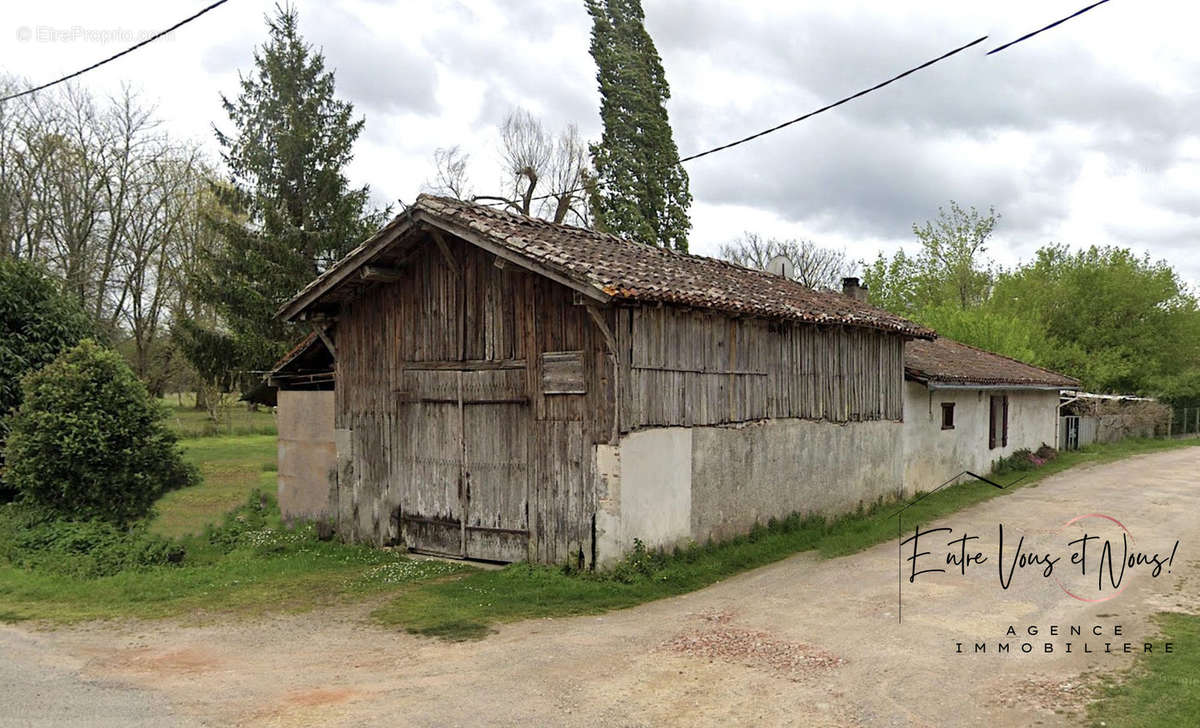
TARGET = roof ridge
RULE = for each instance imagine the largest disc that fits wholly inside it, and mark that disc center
(659, 249)
(608, 267)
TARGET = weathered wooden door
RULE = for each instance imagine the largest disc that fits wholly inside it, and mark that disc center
(431, 513)
(469, 492)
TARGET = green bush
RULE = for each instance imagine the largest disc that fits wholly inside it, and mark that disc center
(37, 322)
(1019, 461)
(36, 539)
(238, 525)
(88, 442)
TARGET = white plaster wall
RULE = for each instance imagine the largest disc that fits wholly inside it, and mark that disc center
(645, 491)
(932, 455)
(747, 474)
(307, 456)
(669, 485)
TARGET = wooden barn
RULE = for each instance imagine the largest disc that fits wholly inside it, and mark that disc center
(510, 389)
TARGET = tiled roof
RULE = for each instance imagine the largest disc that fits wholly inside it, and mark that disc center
(948, 361)
(624, 270)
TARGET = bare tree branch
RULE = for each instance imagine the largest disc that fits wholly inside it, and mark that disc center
(815, 266)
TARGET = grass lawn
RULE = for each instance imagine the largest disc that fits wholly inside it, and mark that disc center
(271, 569)
(237, 419)
(232, 467)
(465, 607)
(1160, 690)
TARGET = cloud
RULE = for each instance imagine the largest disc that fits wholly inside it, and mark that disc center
(375, 67)
(1014, 130)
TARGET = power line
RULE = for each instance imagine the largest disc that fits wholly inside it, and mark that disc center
(130, 49)
(811, 114)
(1027, 36)
(798, 119)
(864, 92)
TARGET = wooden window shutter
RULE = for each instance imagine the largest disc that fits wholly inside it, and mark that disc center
(562, 373)
(1004, 422)
(992, 423)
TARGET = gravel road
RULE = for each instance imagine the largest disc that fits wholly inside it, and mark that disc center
(41, 686)
(803, 642)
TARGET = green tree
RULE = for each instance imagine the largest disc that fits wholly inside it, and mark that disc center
(894, 283)
(950, 268)
(38, 320)
(1016, 336)
(290, 211)
(952, 259)
(88, 441)
(642, 191)
(1125, 323)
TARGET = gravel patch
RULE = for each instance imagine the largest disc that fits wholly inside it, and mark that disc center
(718, 639)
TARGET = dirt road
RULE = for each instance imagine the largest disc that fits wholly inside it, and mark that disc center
(803, 642)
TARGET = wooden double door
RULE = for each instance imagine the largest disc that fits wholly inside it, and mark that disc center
(466, 459)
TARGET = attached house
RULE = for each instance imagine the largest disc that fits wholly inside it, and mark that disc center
(965, 407)
(508, 389)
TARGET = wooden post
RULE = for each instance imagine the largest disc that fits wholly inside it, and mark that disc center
(463, 475)
(610, 343)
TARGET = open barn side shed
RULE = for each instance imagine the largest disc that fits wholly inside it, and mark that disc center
(508, 389)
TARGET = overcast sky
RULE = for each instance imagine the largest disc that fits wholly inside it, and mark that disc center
(1086, 134)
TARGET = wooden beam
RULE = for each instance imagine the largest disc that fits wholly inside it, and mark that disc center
(598, 319)
(610, 341)
(500, 251)
(320, 331)
(455, 365)
(445, 248)
(344, 268)
(380, 273)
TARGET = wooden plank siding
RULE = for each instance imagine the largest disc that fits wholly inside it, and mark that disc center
(453, 421)
(474, 393)
(686, 367)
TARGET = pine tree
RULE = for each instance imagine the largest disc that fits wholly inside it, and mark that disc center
(288, 210)
(642, 189)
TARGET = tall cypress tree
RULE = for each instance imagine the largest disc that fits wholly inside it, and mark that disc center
(288, 210)
(642, 191)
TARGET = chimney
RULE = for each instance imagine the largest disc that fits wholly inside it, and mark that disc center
(851, 288)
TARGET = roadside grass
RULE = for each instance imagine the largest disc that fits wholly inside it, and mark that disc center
(246, 566)
(238, 419)
(249, 564)
(466, 606)
(1160, 690)
(237, 557)
(231, 467)
(248, 580)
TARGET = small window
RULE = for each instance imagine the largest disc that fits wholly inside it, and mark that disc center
(947, 415)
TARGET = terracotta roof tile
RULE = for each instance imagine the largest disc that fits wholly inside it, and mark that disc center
(948, 361)
(625, 270)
